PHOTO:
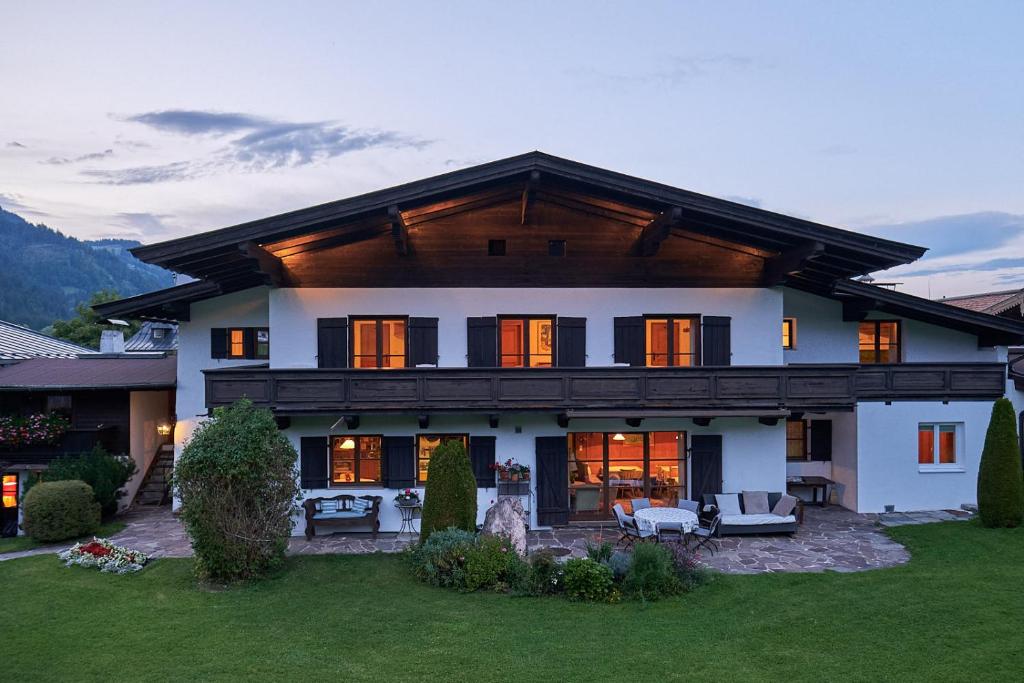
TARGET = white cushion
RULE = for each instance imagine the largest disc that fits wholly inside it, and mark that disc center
(752, 520)
(728, 503)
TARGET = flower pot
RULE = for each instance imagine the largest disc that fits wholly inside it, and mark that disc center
(525, 476)
(503, 475)
(515, 476)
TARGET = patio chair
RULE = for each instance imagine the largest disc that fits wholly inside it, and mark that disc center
(668, 531)
(631, 531)
(705, 535)
(691, 505)
(641, 503)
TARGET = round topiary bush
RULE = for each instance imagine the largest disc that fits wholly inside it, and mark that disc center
(59, 510)
(1000, 483)
(107, 475)
(236, 481)
(450, 496)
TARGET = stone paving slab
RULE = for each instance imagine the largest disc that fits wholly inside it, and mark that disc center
(890, 519)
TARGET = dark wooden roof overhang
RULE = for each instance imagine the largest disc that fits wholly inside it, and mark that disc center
(250, 254)
(170, 304)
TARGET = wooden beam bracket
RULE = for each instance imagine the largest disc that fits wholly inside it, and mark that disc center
(528, 191)
(657, 231)
(399, 231)
(777, 269)
(266, 263)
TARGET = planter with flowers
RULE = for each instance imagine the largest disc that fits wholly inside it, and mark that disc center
(407, 498)
(511, 470)
(99, 552)
(36, 429)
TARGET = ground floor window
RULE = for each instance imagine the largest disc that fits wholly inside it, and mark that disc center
(426, 444)
(796, 439)
(355, 460)
(938, 445)
(9, 505)
(10, 491)
(607, 468)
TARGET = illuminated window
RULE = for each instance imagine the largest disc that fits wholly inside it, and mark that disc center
(526, 342)
(671, 341)
(789, 333)
(879, 341)
(10, 491)
(355, 460)
(262, 342)
(426, 444)
(938, 446)
(796, 439)
(378, 342)
(236, 343)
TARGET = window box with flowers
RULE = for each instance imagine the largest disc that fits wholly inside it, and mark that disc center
(510, 470)
(36, 429)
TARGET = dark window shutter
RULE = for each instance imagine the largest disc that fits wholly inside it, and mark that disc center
(313, 462)
(717, 342)
(332, 342)
(482, 342)
(821, 439)
(552, 480)
(422, 341)
(481, 456)
(399, 454)
(572, 342)
(629, 340)
(705, 465)
(249, 342)
(218, 342)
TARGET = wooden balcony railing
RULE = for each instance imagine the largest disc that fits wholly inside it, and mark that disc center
(734, 388)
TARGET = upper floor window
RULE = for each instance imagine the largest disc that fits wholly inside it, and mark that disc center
(236, 342)
(879, 341)
(526, 342)
(426, 444)
(789, 333)
(378, 342)
(355, 460)
(670, 341)
(938, 446)
(240, 342)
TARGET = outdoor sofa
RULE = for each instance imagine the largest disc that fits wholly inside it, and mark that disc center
(342, 510)
(737, 521)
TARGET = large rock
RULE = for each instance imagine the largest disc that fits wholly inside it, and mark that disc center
(507, 518)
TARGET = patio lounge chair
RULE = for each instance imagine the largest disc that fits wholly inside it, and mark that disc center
(705, 535)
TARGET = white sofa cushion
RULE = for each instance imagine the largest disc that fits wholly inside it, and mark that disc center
(751, 520)
(728, 503)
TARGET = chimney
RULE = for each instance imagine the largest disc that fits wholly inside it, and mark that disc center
(112, 341)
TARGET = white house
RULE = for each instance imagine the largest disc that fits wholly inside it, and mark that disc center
(620, 337)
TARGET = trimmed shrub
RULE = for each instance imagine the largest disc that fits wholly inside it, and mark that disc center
(59, 510)
(1000, 482)
(105, 473)
(589, 580)
(450, 495)
(619, 563)
(236, 480)
(491, 563)
(652, 574)
(441, 559)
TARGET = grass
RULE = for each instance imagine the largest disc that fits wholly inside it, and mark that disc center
(953, 613)
(18, 543)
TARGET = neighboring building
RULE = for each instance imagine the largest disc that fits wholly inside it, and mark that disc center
(19, 343)
(153, 336)
(124, 403)
(1007, 304)
(621, 337)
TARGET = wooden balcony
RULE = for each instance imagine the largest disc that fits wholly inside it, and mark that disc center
(752, 390)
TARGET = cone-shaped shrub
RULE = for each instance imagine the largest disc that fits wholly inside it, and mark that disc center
(1000, 483)
(450, 496)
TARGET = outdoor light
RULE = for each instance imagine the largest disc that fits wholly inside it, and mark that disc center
(619, 437)
(163, 429)
(348, 444)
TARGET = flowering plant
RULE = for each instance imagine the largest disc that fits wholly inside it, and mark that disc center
(511, 467)
(99, 552)
(407, 497)
(31, 430)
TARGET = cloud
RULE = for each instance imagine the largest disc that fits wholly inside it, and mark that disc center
(672, 71)
(94, 156)
(14, 143)
(15, 204)
(195, 122)
(145, 224)
(144, 175)
(960, 234)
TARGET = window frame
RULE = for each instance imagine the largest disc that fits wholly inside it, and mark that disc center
(379, 320)
(357, 459)
(230, 354)
(791, 323)
(442, 437)
(256, 343)
(807, 450)
(958, 448)
(877, 350)
(671, 318)
(526, 339)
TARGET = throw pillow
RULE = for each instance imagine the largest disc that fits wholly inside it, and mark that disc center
(360, 505)
(785, 506)
(328, 506)
(755, 502)
(728, 503)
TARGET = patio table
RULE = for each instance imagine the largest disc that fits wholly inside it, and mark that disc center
(648, 519)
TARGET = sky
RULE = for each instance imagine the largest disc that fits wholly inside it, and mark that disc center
(161, 119)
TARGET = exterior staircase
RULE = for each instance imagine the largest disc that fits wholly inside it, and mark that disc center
(156, 487)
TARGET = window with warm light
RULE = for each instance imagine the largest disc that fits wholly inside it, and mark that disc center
(10, 490)
(379, 342)
(796, 439)
(879, 341)
(526, 342)
(670, 341)
(355, 460)
(939, 445)
(426, 444)
(789, 333)
(236, 342)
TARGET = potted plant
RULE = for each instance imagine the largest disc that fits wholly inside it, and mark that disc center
(408, 497)
(502, 470)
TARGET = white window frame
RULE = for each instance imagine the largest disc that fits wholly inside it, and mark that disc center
(958, 435)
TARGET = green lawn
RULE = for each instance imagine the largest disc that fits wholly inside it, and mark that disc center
(19, 543)
(954, 613)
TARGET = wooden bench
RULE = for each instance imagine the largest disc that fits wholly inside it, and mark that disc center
(338, 511)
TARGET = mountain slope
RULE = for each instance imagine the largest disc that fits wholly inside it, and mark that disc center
(44, 274)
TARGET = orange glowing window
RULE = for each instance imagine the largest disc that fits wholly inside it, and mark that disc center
(10, 491)
(355, 460)
(937, 445)
(526, 342)
(378, 343)
(879, 341)
(670, 341)
(789, 333)
(236, 343)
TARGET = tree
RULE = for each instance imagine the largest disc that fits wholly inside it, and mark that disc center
(86, 327)
(1000, 480)
(450, 496)
(237, 482)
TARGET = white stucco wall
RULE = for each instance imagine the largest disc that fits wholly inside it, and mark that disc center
(146, 410)
(887, 467)
(756, 315)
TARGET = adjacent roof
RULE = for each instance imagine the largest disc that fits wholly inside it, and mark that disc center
(993, 303)
(153, 336)
(121, 372)
(20, 343)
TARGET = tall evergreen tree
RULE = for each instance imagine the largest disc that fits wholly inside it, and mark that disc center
(1000, 479)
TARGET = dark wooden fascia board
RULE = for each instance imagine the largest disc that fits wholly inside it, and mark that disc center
(657, 231)
(777, 269)
(161, 299)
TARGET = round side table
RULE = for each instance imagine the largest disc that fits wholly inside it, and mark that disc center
(408, 518)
